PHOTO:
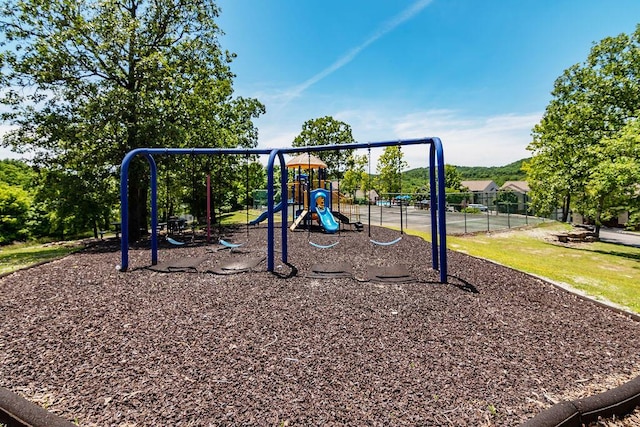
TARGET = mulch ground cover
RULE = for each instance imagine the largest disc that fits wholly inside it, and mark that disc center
(193, 348)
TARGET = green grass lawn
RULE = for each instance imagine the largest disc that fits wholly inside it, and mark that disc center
(240, 217)
(602, 270)
(17, 256)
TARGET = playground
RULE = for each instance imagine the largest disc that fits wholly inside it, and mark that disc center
(314, 321)
(192, 347)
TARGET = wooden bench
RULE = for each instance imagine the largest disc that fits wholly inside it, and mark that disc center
(103, 232)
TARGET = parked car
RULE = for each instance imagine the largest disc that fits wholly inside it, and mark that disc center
(481, 208)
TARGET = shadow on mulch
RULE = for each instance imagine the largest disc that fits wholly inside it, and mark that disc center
(462, 284)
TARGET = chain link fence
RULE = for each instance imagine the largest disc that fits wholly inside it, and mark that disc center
(466, 212)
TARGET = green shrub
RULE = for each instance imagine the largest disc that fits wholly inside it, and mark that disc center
(14, 208)
(470, 210)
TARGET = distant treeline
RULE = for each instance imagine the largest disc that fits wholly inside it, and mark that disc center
(498, 174)
(415, 178)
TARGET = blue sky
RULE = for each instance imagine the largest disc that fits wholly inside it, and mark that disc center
(477, 74)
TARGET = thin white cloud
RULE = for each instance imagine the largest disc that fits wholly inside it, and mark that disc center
(468, 140)
(384, 29)
(277, 137)
(472, 141)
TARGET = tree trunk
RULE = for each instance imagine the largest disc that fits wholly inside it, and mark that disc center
(95, 227)
(598, 218)
(138, 213)
(138, 184)
(565, 208)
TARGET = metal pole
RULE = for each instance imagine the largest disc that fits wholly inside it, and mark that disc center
(442, 224)
(465, 221)
(270, 225)
(488, 222)
(433, 208)
(208, 208)
(154, 209)
(368, 195)
(285, 207)
(406, 218)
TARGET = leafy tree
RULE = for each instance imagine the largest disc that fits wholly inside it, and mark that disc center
(356, 176)
(418, 179)
(67, 204)
(452, 178)
(592, 102)
(14, 209)
(257, 180)
(453, 186)
(506, 201)
(327, 131)
(16, 173)
(613, 184)
(106, 77)
(389, 169)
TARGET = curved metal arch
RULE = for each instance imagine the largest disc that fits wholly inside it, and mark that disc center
(148, 153)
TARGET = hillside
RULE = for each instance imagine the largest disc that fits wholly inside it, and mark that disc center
(415, 178)
(499, 174)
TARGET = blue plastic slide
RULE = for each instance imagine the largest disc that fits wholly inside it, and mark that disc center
(327, 220)
(265, 214)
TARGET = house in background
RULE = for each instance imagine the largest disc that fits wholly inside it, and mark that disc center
(372, 195)
(516, 186)
(521, 190)
(484, 192)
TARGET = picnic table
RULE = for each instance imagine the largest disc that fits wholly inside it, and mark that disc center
(176, 225)
(117, 230)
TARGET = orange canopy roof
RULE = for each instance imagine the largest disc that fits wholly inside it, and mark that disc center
(305, 160)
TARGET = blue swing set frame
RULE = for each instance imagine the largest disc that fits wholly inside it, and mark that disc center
(436, 179)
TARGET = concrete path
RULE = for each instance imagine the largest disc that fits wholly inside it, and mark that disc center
(620, 237)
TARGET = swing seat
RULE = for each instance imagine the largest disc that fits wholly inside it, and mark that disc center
(393, 242)
(174, 242)
(322, 246)
(230, 245)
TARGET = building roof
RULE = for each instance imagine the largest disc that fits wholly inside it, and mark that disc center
(305, 160)
(479, 185)
(519, 186)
